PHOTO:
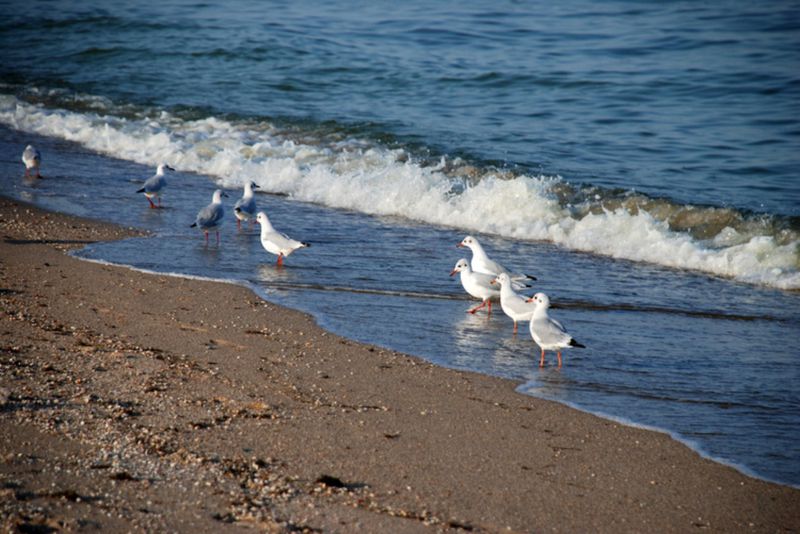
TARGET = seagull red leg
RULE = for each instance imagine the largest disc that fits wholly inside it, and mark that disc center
(541, 360)
(476, 308)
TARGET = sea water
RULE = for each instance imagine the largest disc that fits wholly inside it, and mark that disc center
(639, 159)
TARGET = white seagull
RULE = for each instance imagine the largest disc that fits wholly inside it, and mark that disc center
(479, 285)
(154, 185)
(481, 263)
(245, 207)
(547, 332)
(32, 159)
(210, 217)
(514, 305)
(275, 242)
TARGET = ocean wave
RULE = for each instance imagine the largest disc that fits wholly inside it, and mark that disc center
(343, 171)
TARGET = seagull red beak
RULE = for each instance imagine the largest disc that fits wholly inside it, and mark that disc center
(460, 245)
(529, 300)
(453, 272)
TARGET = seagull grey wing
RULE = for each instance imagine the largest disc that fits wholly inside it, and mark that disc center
(249, 206)
(285, 241)
(497, 268)
(557, 324)
(484, 279)
(246, 205)
(208, 216)
(219, 213)
(488, 265)
(294, 243)
(548, 332)
(154, 184)
(518, 286)
(519, 305)
(277, 243)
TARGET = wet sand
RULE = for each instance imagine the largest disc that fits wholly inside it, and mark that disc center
(141, 402)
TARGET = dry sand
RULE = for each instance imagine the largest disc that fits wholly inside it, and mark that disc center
(149, 403)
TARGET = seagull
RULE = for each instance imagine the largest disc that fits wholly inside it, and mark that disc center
(275, 242)
(479, 285)
(245, 207)
(547, 332)
(32, 159)
(210, 217)
(481, 263)
(154, 185)
(514, 305)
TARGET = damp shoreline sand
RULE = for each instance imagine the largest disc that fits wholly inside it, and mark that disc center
(132, 401)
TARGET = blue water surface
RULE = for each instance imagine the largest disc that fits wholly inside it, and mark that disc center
(698, 102)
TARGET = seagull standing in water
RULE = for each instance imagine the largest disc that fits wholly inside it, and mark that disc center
(245, 207)
(210, 217)
(482, 263)
(547, 332)
(32, 158)
(514, 305)
(154, 185)
(275, 242)
(479, 285)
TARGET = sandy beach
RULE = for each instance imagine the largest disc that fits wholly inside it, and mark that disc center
(138, 402)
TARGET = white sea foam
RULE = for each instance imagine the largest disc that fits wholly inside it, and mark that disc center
(380, 181)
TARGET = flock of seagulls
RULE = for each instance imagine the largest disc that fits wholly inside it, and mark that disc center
(482, 277)
(211, 217)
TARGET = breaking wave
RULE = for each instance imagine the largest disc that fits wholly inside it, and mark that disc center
(336, 168)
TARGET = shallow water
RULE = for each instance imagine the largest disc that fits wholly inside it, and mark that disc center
(710, 360)
(639, 158)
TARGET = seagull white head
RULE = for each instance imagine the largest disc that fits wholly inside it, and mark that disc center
(162, 167)
(541, 300)
(262, 218)
(460, 266)
(468, 241)
(502, 279)
(218, 194)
